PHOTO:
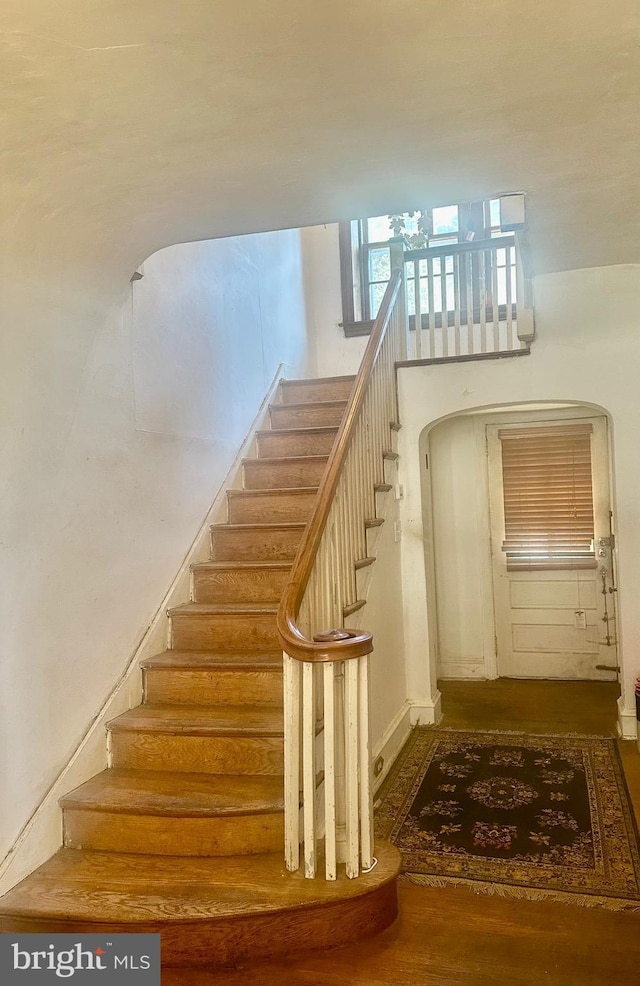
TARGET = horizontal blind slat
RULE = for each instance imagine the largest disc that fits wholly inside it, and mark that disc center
(548, 496)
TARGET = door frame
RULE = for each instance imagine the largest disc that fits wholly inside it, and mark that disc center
(487, 415)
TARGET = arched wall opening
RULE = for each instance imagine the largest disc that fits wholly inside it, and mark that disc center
(530, 624)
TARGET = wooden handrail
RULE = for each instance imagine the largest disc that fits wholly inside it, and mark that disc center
(473, 246)
(358, 642)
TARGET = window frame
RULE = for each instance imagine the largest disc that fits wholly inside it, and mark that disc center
(354, 248)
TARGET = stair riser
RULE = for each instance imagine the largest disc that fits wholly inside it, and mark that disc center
(224, 631)
(202, 754)
(277, 506)
(238, 585)
(314, 416)
(262, 474)
(213, 687)
(171, 836)
(252, 545)
(279, 444)
(214, 942)
(313, 390)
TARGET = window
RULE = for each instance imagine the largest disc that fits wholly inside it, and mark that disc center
(365, 258)
(548, 497)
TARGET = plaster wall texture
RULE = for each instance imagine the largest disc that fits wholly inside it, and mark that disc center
(334, 354)
(381, 585)
(124, 419)
(459, 515)
(586, 352)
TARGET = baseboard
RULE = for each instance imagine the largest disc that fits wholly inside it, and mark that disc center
(460, 670)
(41, 836)
(427, 715)
(391, 742)
(627, 722)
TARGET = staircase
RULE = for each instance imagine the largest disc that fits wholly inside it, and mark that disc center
(184, 834)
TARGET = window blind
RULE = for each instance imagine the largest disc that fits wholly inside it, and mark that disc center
(548, 497)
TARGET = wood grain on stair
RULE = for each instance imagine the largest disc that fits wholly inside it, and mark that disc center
(323, 389)
(200, 626)
(295, 441)
(210, 911)
(255, 542)
(162, 812)
(234, 720)
(280, 473)
(302, 415)
(213, 753)
(238, 581)
(177, 794)
(255, 506)
(214, 686)
(206, 660)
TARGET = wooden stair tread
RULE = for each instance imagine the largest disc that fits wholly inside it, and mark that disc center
(272, 460)
(109, 888)
(202, 720)
(213, 609)
(288, 490)
(308, 429)
(364, 562)
(345, 378)
(284, 525)
(351, 608)
(160, 792)
(225, 565)
(307, 404)
(279, 525)
(210, 660)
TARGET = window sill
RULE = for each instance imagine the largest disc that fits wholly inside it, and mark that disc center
(353, 329)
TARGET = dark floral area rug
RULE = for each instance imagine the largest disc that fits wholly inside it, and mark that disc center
(515, 815)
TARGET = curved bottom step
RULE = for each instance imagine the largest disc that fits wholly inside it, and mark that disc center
(211, 912)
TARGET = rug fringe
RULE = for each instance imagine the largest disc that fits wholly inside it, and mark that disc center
(516, 732)
(522, 893)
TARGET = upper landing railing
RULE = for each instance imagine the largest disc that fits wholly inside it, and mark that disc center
(467, 299)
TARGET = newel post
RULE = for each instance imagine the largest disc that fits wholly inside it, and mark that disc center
(524, 291)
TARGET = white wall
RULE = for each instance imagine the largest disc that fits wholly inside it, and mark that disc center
(334, 354)
(587, 351)
(120, 425)
(381, 585)
(460, 513)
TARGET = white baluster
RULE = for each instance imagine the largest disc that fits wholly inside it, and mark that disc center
(291, 684)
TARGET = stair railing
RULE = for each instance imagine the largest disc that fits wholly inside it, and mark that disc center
(328, 790)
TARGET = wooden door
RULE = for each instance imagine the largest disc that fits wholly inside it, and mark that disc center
(555, 622)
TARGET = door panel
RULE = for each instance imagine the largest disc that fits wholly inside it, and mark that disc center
(553, 623)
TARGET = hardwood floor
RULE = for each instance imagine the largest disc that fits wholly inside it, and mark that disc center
(453, 937)
(531, 706)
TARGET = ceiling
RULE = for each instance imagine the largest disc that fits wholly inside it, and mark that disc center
(127, 127)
